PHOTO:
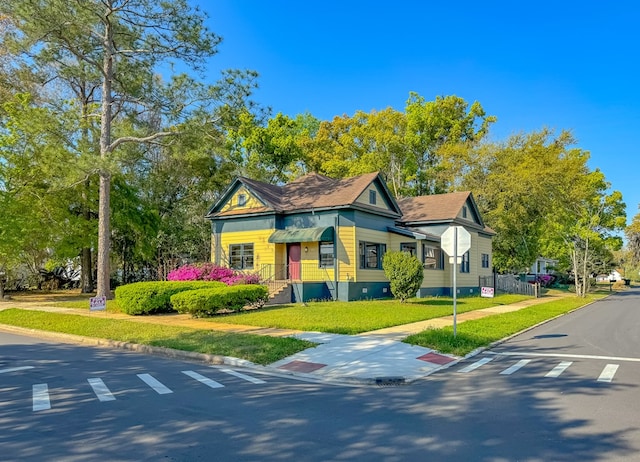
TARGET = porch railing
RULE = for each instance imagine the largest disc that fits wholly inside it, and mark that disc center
(308, 272)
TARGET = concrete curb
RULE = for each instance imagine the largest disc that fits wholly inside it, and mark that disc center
(214, 360)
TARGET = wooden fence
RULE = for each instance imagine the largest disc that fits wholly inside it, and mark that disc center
(510, 284)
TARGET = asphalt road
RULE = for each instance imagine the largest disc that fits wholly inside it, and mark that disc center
(75, 403)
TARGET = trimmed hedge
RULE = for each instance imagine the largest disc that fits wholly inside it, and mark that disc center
(208, 302)
(155, 296)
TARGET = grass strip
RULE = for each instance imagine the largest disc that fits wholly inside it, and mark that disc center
(482, 332)
(361, 316)
(255, 348)
(83, 304)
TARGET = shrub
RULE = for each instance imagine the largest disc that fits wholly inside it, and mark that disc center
(211, 272)
(545, 280)
(154, 297)
(405, 273)
(207, 302)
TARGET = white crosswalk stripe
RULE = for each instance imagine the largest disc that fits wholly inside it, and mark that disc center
(520, 364)
(606, 376)
(101, 390)
(474, 366)
(202, 379)
(242, 376)
(155, 384)
(559, 369)
(608, 372)
(41, 400)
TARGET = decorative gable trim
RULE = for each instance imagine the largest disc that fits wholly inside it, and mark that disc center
(224, 203)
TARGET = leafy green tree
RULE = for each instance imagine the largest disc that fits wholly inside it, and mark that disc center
(124, 43)
(36, 160)
(405, 273)
(434, 125)
(268, 153)
(412, 149)
(363, 143)
(591, 234)
(633, 241)
(523, 188)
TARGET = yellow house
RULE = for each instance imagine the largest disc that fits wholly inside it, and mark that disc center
(325, 238)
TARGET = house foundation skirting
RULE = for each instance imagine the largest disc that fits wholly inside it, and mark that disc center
(302, 292)
(425, 292)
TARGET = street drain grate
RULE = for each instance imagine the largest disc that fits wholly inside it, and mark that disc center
(390, 381)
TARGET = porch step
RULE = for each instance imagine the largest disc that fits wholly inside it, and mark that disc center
(279, 292)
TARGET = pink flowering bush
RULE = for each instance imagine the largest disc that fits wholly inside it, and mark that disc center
(211, 272)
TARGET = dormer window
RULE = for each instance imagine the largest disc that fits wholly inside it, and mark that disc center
(242, 200)
(372, 197)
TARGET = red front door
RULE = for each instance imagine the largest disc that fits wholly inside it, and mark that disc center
(294, 252)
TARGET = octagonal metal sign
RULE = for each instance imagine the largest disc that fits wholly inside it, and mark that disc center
(449, 238)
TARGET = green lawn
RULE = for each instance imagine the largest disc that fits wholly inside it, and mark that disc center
(83, 304)
(255, 348)
(361, 316)
(482, 332)
(335, 317)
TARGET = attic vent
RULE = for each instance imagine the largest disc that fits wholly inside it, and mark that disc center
(464, 211)
(242, 200)
(372, 197)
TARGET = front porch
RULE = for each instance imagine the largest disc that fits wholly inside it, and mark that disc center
(307, 281)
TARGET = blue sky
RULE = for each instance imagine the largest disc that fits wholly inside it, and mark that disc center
(560, 64)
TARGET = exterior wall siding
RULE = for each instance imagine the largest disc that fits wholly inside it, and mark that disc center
(349, 291)
(263, 250)
(347, 264)
(374, 237)
(251, 201)
(381, 201)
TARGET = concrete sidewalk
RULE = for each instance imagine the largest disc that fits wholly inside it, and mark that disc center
(376, 357)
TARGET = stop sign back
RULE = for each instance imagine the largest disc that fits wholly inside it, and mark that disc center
(448, 240)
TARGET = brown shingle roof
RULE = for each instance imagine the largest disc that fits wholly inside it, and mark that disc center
(318, 191)
(308, 192)
(437, 207)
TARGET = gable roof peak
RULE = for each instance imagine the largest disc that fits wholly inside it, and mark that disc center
(434, 207)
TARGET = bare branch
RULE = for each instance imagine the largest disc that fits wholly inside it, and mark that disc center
(136, 139)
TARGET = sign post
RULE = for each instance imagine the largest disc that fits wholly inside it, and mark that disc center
(455, 241)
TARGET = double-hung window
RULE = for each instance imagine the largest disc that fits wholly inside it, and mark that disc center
(326, 255)
(409, 247)
(371, 255)
(241, 256)
(485, 260)
(465, 266)
(432, 257)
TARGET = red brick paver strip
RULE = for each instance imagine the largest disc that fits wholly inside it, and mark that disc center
(302, 366)
(435, 358)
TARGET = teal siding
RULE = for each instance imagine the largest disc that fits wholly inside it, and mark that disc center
(243, 224)
(307, 291)
(348, 291)
(447, 292)
(374, 222)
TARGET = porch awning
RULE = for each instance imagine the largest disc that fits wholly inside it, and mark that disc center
(283, 236)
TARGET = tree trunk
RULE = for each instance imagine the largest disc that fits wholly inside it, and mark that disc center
(104, 207)
(104, 241)
(86, 276)
(86, 260)
(585, 276)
